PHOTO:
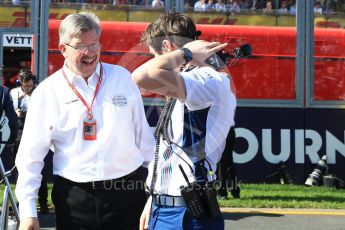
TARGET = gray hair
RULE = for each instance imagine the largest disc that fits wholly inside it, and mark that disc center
(75, 24)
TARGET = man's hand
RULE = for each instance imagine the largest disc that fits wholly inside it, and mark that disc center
(202, 50)
(20, 113)
(145, 215)
(29, 224)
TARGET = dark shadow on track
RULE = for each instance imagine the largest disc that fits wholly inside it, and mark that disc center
(238, 216)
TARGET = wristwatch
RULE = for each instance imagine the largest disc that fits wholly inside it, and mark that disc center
(187, 54)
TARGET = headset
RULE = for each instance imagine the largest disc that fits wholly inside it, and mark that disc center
(26, 75)
(229, 58)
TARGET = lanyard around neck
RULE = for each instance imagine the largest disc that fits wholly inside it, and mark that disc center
(89, 107)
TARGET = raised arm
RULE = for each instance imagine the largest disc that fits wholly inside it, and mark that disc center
(161, 74)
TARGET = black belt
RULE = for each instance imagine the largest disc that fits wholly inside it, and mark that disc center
(102, 184)
(165, 200)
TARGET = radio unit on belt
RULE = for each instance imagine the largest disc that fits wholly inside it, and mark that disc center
(201, 200)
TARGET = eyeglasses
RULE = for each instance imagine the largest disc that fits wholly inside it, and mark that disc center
(84, 48)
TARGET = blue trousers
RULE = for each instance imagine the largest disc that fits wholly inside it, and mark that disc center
(174, 218)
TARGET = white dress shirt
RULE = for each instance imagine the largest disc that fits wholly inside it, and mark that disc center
(201, 7)
(155, 4)
(207, 111)
(20, 100)
(55, 118)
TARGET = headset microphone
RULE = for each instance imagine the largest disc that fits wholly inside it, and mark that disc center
(222, 58)
(242, 51)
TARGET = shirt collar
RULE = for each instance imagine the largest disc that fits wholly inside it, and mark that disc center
(73, 78)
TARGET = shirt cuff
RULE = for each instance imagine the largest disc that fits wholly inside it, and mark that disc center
(187, 86)
(27, 209)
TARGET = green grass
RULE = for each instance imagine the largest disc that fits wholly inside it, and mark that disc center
(2, 187)
(275, 196)
(287, 196)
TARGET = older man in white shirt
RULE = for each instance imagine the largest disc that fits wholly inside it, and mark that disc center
(92, 114)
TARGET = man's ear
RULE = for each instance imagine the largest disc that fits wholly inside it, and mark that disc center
(167, 46)
(62, 49)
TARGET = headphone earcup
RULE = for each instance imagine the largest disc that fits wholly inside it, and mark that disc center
(18, 82)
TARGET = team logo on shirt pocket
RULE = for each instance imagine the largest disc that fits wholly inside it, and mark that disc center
(119, 100)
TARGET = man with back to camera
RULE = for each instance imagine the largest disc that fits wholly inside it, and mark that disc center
(92, 114)
(7, 109)
(194, 123)
(8, 128)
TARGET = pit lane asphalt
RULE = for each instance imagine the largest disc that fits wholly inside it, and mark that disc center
(263, 219)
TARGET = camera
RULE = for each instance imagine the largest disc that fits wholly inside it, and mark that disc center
(282, 173)
(315, 178)
(333, 181)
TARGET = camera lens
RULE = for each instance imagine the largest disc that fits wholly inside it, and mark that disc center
(315, 177)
